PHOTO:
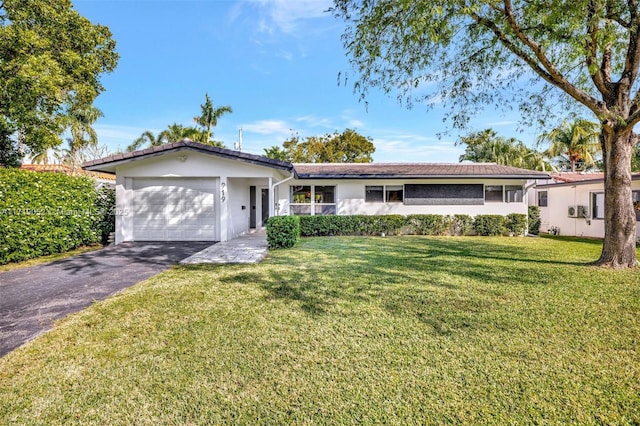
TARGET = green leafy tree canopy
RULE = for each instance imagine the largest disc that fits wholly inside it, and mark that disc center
(276, 153)
(51, 61)
(346, 147)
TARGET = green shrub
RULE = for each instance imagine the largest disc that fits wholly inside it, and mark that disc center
(390, 224)
(428, 224)
(461, 224)
(105, 211)
(332, 225)
(283, 231)
(317, 226)
(489, 224)
(44, 213)
(534, 220)
(516, 223)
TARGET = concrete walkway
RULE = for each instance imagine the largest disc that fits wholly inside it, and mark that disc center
(248, 248)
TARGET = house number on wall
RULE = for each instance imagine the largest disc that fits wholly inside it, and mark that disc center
(222, 191)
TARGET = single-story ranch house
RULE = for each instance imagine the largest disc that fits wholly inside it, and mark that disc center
(572, 204)
(190, 191)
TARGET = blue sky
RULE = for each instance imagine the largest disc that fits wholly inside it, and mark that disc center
(276, 63)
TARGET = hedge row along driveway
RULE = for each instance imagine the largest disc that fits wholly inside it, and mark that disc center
(47, 213)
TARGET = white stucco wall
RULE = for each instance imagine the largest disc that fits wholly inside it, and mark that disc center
(350, 195)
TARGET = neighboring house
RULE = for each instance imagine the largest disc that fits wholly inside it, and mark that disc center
(101, 179)
(191, 191)
(573, 203)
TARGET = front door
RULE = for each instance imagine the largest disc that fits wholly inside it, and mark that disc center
(252, 207)
(265, 206)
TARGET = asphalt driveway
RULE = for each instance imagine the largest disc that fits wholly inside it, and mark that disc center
(32, 297)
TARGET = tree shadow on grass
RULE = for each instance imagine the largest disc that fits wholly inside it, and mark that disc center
(448, 284)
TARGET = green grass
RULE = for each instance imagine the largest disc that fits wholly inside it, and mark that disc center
(406, 330)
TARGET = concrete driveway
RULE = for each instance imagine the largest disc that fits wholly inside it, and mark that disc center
(32, 297)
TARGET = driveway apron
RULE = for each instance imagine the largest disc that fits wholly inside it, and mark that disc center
(31, 298)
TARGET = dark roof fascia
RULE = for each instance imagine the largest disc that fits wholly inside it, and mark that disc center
(410, 177)
(127, 157)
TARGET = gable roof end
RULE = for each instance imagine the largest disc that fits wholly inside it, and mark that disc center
(107, 164)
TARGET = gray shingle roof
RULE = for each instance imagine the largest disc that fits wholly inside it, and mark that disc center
(413, 171)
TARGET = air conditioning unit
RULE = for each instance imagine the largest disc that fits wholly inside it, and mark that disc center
(572, 211)
(583, 211)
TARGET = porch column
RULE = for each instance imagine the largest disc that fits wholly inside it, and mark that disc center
(223, 203)
(272, 207)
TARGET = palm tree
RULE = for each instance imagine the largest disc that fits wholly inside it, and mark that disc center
(173, 133)
(573, 143)
(209, 115)
(79, 122)
(487, 147)
(146, 138)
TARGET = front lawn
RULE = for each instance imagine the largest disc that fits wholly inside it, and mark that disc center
(407, 330)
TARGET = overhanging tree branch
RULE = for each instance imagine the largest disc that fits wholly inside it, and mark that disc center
(598, 75)
(552, 74)
(633, 52)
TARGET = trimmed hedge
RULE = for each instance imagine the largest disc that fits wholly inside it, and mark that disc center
(428, 224)
(461, 224)
(534, 220)
(283, 231)
(516, 223)
(417, 224)
(44, 213)
(489, 224)
(331, 225)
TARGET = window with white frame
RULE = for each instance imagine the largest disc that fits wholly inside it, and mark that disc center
(513, 194)
(312, 200)
(543, 199)
(493, 194)
(636, 204)
(374, 194)
(384, 193)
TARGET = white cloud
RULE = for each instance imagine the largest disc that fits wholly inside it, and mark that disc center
(313, 121)
(350, 121)
(268, 127)
(286, 16)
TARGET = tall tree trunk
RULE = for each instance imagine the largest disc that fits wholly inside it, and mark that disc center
(619, 247)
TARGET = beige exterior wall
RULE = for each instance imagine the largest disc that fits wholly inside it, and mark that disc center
(561, 197)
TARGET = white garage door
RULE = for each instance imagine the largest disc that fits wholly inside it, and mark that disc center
(173, 209)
